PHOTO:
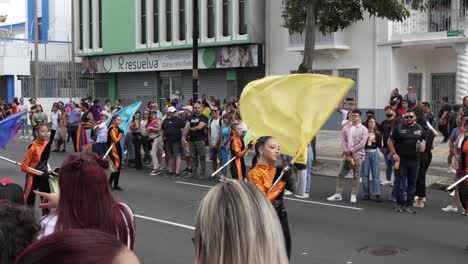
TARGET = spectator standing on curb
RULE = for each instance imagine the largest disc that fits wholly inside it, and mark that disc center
(372, 161)
(23, 120)
(154, 135)
(353, 141)
(406, 142)
(387, 127)
(197, 137)
(214, 137)
(443, 117)
(172, 130)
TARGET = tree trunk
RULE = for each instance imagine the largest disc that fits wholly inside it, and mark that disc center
(309, 45)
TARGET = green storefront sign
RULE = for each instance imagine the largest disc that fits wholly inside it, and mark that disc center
(455, 33)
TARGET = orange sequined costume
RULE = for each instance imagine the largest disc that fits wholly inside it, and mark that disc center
(114, 135)
(263, 177)
(238, 150)
(37, 157)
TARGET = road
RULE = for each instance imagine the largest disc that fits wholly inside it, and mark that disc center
(322, 232)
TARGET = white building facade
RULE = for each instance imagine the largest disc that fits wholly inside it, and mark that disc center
(17, 51)
(428, 51)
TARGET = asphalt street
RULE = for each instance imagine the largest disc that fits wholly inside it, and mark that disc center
(322, 232)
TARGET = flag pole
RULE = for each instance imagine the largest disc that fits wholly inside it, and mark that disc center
(456, 183)
(287, 168)
(19, 164)
(227, 163)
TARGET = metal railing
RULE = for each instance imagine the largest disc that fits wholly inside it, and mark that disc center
(338, 38)
(55, 81)
(433, 20)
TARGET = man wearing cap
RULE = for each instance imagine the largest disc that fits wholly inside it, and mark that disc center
(100, 146)
(172, 131)
(197, 136)
(411, 97)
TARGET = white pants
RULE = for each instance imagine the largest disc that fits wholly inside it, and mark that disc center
(301, 182)
(155, 148)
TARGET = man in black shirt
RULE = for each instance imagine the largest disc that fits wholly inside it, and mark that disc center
(396, 97)
(172, 129)
(386, 128)
(406, 142)
(197, 136)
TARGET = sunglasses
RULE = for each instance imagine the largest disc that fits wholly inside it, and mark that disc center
(409, 117)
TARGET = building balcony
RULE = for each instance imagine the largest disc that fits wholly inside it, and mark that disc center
(441, 24)
(333, 41)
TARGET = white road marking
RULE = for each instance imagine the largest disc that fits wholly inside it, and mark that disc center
(286, 198)
(165, 222)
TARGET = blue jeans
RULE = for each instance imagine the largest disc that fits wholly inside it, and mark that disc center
(371, 162)
(310, 160)
(389, 163)
(24, 127)
(408, 173)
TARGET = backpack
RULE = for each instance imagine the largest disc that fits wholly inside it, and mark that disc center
(220, 123)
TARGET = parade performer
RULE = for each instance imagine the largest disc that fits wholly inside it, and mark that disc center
(238, 150)
(37, 157)
(463, 187)
(83, 135)
(264, 173)
(114, 136)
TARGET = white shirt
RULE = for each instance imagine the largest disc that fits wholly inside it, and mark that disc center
(55, 117)
(49, 222)
(23, 108)
(102, 133)
(344, 113)
(215, 131)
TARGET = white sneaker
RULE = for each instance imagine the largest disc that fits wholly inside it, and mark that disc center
(335, 197)
(450, 209)
(288, 192)
(305, 196)
(353, 198)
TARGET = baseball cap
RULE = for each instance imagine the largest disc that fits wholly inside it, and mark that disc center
(11, 191)
(188, 108)
(171, 109)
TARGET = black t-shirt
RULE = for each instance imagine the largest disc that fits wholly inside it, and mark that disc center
(444, 108)
(406, 138)
(197, 135)
(386, 128)
(172, 129)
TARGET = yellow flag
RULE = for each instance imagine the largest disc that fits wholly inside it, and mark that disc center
(291, 108)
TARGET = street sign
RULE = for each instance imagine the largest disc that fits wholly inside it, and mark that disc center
(455, 33)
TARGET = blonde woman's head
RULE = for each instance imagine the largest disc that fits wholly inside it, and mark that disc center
(236, 224)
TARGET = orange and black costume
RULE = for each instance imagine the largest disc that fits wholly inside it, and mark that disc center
(37, 157)
(263, 176)
(463, 187)
(238, 150)
(113, 137)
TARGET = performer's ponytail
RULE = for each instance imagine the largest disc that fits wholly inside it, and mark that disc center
(261, 141)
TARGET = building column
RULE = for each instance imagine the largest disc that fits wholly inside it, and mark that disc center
(462, 72)
(10, 87)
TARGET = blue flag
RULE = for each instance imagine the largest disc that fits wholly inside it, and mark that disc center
(126, 114)
(9, 127)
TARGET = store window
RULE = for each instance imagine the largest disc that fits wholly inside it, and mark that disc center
(226, 17)
(210, 19)
(80, 21)
(143, 22)
(90, 21)
(242, 12)
(100, 24)
(168, 20)
(181, 19)
(155, 21)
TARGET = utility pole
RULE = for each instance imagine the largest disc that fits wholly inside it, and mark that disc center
(195, 51)
(73, 70)
(36, 52)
